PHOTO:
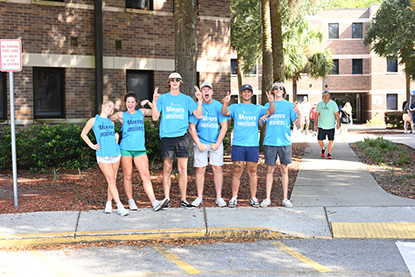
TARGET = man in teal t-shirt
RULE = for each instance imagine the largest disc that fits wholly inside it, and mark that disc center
(327, 118)
(208, 133)
(175, 109)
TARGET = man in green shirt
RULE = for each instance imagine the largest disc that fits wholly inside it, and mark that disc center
(327, 118)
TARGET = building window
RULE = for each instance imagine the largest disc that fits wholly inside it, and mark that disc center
(392, 102)
(234, 64)
(357, 30)
(392, 64)
(3, 95)
(357, 66)
(49, 92)
(335, 68)
(140, 82)
(139, 4)
(333, 30)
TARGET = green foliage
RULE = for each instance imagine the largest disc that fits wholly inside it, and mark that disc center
(391, 33)
(379, 148)
(153, 145)
(349, 4)
(394, 120)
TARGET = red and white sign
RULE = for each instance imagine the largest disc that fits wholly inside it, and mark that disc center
(10, 55)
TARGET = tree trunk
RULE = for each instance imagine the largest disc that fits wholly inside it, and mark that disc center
(185, 50)
(408, 87)
(239, 73)
(266, 60)
(277, 50)
(295, 85)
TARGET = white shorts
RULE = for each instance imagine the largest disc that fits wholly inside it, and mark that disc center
(215, 157)
(108, 159)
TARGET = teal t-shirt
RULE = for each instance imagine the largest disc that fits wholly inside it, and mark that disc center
(278, 131)
(245, 128)
(133, 132)
(208, 127)
(105, 135)
(175, 111)
(327, 117)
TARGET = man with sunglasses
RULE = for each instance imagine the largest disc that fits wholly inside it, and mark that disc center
(327, 120)
(245, 142)
(277, 141)
(175, 109)
(208, 133)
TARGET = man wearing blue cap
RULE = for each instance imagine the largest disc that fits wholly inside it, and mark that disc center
(208, 133)
(245, 143)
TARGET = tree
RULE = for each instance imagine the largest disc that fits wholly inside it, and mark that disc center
(391, 34)
(277, 41)
(185, 49)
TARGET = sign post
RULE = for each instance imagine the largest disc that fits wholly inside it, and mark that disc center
(11, 60)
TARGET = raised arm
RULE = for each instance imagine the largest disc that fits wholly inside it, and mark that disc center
(146, 112)
(116, 117)
(271, 109)
(199, 111)
(154, 112)
(299, 121)
(226, 100)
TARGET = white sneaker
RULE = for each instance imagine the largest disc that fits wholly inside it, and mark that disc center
(220, 202)
(413, 132)
(157, 205)
(287, 203)
(265, 203)
(132, 206)
(108, 207)
(254, 202)
(233, 202)
(121, 210)
(197, 202)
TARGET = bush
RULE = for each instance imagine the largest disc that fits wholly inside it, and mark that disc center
(394, 120)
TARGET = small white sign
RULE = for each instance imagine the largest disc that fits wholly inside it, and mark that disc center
(10, 55)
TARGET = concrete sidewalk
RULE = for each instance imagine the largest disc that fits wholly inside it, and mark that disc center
(332, 199)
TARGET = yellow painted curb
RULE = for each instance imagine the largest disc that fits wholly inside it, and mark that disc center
(374, 230)
(141, 235)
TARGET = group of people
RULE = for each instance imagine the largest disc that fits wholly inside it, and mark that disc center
(206, 122)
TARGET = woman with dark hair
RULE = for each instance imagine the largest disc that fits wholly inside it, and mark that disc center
(407, 118)
(108, 152)
(133, 149)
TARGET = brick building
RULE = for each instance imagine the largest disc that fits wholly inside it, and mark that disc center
(373, 85)
(57, 82)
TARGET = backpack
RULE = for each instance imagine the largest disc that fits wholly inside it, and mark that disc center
(344, 118)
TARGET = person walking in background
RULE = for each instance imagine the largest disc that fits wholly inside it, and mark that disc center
(175, 109)
(345, 119)
(407, 118)
(327, 119)
(245, 142)
(277, 141)
(305, 113)
(412, 109)
(208, 133)
(108, 152)
(133, 149)
(312, 117)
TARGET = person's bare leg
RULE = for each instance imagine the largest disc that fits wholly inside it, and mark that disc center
(200, 180)
(127, 169)
(253, 178)
(331, 144)
(182, 165)
(167, 167)
(109, 172)
(238, 167)
(269, 179)
(141, 162)
(284, 180)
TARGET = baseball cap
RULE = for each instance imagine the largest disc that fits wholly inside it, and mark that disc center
(326, 91)
(175, 75)
(206, 84)
(246, 86)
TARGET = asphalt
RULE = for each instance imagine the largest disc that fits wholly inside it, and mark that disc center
(332, 199)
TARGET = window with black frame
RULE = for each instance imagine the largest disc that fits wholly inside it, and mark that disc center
(333, 30)
(357, 30)
(49, 92)
(392, 64)
(139, 4)
(392, 102)
(141, 82)
(335, 68)
(3, 95)
(357, 66)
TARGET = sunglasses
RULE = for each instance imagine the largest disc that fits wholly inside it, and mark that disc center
(175, 79)
(276, 88)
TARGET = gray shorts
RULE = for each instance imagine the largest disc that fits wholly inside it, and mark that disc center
(215, 157)
(271, 154)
